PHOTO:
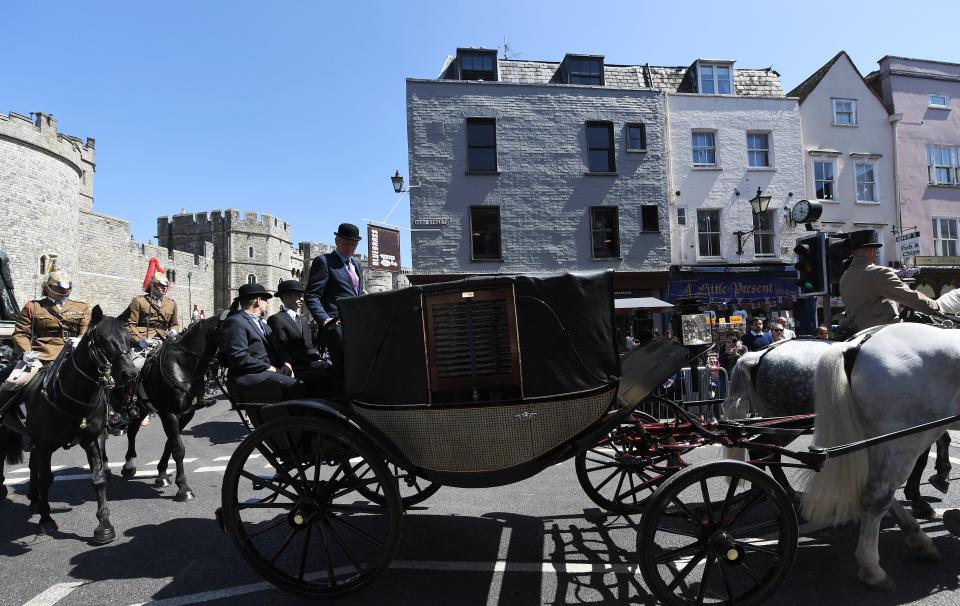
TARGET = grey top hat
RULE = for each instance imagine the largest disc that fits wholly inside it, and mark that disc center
(289, 286)
(864, 238)
(348, 231)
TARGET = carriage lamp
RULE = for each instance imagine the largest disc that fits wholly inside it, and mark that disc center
(759, 205)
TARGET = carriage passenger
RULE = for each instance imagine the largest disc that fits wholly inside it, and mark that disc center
(253, 366)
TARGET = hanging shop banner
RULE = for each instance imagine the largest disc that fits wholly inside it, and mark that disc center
(383, 248)
(909, 244)
(729, 288)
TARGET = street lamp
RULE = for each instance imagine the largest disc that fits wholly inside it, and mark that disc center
(758, 204)
(397, 181)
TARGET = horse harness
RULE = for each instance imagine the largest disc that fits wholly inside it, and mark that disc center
(756, 367)
(52, 382)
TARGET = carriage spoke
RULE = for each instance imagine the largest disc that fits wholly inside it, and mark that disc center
(293, 531)
(272, 459)
(708, 506)
(616, 493)
(602, 454)
(296, 461)
(692, 519)
(726, 584)
(303, 558)
(750, 573)
(633, 489)
(316, 462)
(358, 531)
(354, 508)
(754, 500)
(771, 552)
(680, 552)
(326, 557)
(756, 528)
(686, 570)
(707, 569)
(607, 479)
(276, 487)
(731, 490)
(679, 532)
(267, 528)
(264, 505)
(343, 546)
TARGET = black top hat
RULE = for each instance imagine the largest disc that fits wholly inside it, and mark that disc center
(348, 231)
(248, 290)
(289, 286)
(864, 238)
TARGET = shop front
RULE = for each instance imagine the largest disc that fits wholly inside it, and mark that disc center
(936, 276)
(731, 294)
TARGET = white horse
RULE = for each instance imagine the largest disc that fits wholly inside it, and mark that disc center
(904, 376)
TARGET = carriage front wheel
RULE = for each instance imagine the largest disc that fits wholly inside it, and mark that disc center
(293, 505)
(717, 532)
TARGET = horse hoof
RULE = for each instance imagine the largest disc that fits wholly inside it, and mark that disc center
(34, 508)
(885, 585)
(102, 536)
(922, 509)
(951, 521)
(128, 472)
(184, 496)
(162, 481)
(940, 483)
(48, 527)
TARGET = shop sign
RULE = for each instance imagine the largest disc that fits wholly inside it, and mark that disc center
(384, 248)
(434, 221)
(732, 287)
(909, 244)
(937, 261)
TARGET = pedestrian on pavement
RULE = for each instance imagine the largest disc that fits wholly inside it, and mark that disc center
(823, 332)
(755, 338)
(777, 332)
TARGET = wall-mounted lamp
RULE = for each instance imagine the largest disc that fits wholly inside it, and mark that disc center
(759, 205)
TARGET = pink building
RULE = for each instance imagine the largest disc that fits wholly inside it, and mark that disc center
(925, 99)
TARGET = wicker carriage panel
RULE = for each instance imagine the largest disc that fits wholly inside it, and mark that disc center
(486, 438)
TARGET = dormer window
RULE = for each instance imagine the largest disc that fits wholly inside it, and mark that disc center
(716, 79)
(477, 64)
(580, 69)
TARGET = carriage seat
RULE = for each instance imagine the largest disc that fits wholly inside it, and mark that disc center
(258, 394)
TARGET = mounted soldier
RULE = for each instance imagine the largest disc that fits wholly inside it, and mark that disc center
(44, 327)
(151, 317)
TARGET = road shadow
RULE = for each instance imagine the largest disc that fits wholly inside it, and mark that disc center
(219, 432)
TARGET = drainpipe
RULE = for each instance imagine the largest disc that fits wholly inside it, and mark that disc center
(894, 119)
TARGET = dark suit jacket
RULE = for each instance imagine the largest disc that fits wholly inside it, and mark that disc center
(246, 349)
(329, 281)
(291, 340)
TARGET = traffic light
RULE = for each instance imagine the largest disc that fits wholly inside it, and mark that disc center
(838, 260)
(812, 265)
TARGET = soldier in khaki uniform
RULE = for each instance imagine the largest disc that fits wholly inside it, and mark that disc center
(43, 328)
(872, 292)
(152, 317)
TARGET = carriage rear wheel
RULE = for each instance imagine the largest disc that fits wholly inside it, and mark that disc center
(413, 489)
(717, 532)
(292, 504)
(619, 473)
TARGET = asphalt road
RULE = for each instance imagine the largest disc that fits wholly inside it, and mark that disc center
(541, 541)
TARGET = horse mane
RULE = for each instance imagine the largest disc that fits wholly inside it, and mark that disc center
(111, 328)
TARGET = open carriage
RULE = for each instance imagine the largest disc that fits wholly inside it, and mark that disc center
(488, 381)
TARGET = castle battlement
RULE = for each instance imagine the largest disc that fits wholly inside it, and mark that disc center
(230, 219)
(42, 133)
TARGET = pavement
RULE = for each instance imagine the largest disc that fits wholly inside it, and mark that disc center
(541, 541)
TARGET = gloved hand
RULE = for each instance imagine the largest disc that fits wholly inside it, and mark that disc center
(30, 356)
(73, 341)
(144, 344)
(172, 332)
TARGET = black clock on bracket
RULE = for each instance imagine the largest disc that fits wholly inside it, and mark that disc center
(806, 211)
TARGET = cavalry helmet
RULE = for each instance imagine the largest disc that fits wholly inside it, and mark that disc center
(159, 279)
(58, 283)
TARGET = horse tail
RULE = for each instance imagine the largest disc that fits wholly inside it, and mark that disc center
(11, 444)
(832, 495)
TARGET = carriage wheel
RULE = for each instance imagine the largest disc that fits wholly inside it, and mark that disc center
(292, 504)
(717, 532)
(413, 489)
(619, 473)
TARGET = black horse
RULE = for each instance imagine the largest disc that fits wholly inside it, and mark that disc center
(172, 384)
(67, 405)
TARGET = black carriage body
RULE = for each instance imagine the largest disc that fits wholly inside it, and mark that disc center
(483, 381)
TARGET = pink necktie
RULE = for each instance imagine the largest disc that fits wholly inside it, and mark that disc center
(353, 276)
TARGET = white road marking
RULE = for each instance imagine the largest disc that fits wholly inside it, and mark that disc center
(27, 469)
(54, 594)
(496, 580)
(222, 459)
(172, 462)
(212, 468)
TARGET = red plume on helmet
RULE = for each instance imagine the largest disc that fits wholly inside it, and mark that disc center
(152, 269)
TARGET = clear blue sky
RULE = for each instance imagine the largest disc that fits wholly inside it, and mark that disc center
(298, 108)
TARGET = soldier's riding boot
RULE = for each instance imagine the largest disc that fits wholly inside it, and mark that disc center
(26, 443)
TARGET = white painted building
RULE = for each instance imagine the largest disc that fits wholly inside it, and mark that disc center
(731, 132)
(848, 149)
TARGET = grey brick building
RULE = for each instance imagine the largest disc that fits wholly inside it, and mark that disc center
(533, 166)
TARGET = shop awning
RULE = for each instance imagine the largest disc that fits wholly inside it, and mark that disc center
(642, 303)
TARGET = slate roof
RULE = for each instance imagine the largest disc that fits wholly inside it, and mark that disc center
(746, 82)
(806, 87)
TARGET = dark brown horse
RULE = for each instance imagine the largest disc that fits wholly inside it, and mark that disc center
(67, 405)
(171, 384)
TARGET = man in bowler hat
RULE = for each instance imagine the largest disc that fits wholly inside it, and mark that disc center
(333, 276)
(253, 367)
(291, 338)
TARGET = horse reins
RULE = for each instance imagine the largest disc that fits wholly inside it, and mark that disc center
(105, 380)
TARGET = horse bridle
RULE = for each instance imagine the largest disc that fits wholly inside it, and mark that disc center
(105, 379)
